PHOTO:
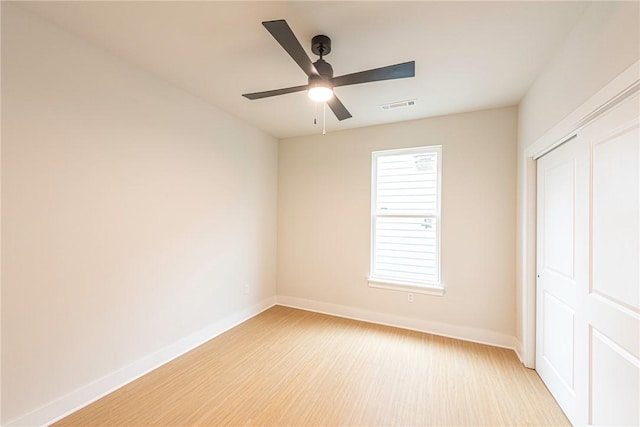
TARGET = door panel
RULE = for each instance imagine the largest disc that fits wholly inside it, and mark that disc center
(615, 225)
(612, 305)
(558, 335)
(558, 230)
(614, 381)
(562, 264)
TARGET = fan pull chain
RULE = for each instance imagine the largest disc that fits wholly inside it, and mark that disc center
(315, 113)
(324, 119)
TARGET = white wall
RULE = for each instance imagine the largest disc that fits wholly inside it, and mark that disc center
(604, 42)
(324, 222)
(132, 214)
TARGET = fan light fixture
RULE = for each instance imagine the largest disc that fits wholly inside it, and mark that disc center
(320, 91)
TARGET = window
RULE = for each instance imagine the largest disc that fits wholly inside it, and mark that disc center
(405, 220)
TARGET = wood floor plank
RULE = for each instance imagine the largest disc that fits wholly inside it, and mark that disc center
(288, 367)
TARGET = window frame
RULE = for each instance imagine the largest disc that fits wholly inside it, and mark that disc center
(430, 288)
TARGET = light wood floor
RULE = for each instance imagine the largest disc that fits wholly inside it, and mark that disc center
(289, 367)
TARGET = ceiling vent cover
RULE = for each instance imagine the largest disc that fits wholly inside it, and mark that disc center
(398, 104)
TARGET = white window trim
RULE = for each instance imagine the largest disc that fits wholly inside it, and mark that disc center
(438, 288)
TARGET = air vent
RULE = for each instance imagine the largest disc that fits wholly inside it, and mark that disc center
(398, 104)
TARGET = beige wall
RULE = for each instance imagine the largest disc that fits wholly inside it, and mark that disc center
(324, 218)
(604, 42)
(133, 213)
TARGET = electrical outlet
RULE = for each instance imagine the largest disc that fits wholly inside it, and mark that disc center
(245, 289)
(410, 297)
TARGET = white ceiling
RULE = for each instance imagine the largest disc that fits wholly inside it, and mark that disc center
(469, 55)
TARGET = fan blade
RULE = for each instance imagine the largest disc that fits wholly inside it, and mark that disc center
(338, 108)
(275, 92)
(281, 31)
(398, 71)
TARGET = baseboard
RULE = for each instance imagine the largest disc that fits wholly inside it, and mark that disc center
(517, 347)
(65, 405)
(465, 333)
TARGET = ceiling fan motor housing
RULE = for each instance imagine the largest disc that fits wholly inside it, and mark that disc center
(324, 69)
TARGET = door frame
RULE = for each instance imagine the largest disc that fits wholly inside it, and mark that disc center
(624, 85)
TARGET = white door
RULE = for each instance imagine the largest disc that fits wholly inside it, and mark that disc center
(612, 297)
(588, 294)
(563, 266)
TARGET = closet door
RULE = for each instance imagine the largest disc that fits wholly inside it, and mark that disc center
(612, 297)
(588, 289)
(563, 267)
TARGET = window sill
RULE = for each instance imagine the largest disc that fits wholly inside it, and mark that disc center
(436, 290)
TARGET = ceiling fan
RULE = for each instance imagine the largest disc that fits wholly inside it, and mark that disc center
(320, 73)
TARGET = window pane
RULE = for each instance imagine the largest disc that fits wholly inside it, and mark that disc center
(406, 249)
(407, 184)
